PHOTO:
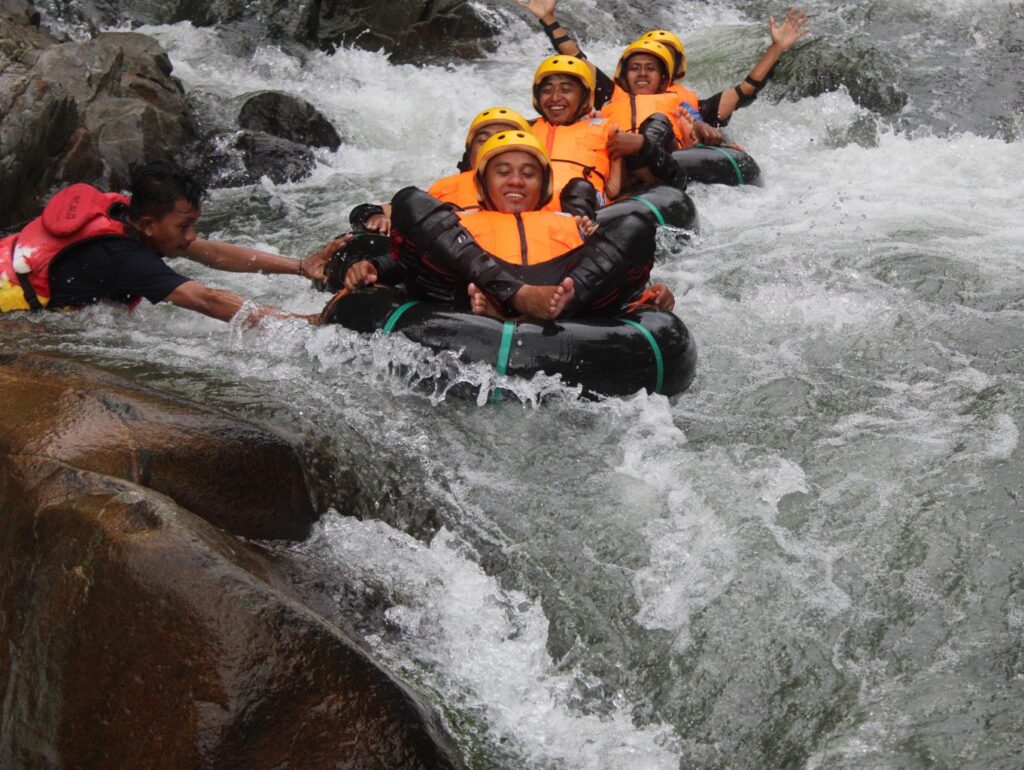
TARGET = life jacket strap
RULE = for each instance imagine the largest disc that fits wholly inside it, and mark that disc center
(26, 285)
(587, 170)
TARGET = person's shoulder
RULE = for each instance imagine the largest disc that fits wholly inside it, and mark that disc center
(447, 183)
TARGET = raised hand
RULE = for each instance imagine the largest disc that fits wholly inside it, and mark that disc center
(793, 28)
(313, 266)
(539, 8)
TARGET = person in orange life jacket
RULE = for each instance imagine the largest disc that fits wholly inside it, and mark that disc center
(512, 255)
(652, 122)
(90, 246)
(575, 140)
(715, 111)
(459, 189)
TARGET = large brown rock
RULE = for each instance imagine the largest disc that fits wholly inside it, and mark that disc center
(238, 475)
(133, 633)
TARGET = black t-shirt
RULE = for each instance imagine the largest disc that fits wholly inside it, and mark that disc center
(117, 269)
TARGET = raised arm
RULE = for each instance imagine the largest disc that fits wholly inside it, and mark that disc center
(784, 36)
(544, 10)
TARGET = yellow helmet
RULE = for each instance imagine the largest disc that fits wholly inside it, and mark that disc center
(672, 42)
(560, 64)
(523, 141)
(653, 48)
(496, 115)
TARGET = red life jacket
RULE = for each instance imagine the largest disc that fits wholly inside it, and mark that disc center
(76, 214)
(527, 239)
(577, 150)
(628, 112)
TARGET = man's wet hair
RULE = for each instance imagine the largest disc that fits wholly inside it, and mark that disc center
(158, 185)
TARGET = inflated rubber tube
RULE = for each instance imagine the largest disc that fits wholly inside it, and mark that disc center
(647, 349)
(718, 165)
(661, 204)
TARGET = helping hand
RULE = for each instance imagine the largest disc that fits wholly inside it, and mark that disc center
(313, 266)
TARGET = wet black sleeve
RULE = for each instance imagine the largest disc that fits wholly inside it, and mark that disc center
(605, 85)
(115, 269)
(709, 111)
(603, 92)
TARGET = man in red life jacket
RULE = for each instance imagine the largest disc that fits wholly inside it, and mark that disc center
(89, 246)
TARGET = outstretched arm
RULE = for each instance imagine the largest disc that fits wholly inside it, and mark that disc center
(242, 259)
(223, 305)
(784, 36)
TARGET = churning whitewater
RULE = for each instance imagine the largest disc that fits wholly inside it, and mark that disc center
(815, 557)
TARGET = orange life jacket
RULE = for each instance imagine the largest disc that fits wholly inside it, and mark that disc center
(459, 189)
(684, 94)
(527, 239)
(76, 214)
(628, 111)
(579, 150)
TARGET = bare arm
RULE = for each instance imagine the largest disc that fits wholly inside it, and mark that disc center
(792, 29)
(613, 184)
(544, 10)
(222, 305)
(242, 259)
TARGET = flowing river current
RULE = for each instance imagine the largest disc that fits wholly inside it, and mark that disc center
(814, 558)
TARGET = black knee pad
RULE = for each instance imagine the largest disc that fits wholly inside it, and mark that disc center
(657, 130)
(633, 236)
(579, 197)
(420, 217)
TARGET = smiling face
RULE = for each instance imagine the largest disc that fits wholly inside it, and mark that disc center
(482, 135)
(561, 99)
(644, 74)
(172, 233)
(513, 181)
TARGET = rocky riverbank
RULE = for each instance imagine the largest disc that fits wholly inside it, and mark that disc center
(140, 625)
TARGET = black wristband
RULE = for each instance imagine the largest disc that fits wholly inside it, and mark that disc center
(557, 41)
(550, 28)
(756, 84)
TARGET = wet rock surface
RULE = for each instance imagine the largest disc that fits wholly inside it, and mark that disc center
(137, 633)
(233, 158)
(288, 117)
(72, 112)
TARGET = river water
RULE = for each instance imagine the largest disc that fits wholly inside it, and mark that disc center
(812, 559)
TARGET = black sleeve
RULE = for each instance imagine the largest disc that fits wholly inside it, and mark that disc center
(605, 85)
(603, 92)
(709, 111)
(117, 269)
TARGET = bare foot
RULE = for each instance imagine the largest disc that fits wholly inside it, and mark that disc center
(534, 301)
(544, 302)
(564, 293)
(479, 304)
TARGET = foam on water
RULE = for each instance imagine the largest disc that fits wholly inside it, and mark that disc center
(487, 645)
(822, 529)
